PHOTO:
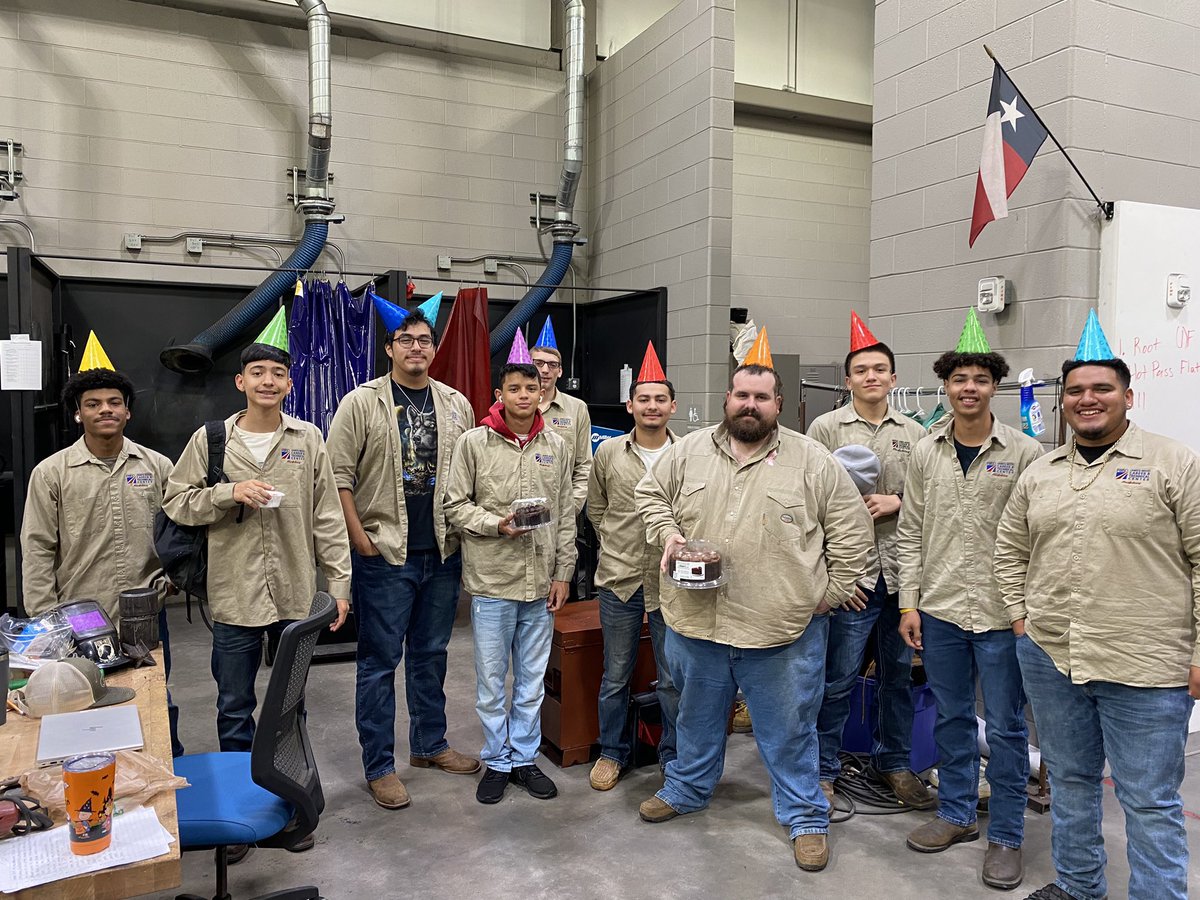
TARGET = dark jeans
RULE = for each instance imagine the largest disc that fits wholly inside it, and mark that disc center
(849, 631)
(404, 612)
(236, 654)
(164, 635)
(621, 624)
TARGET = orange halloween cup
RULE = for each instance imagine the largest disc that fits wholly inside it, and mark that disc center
(88, 782)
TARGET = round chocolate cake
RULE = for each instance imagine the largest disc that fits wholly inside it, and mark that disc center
(695, 562)
(530, 514)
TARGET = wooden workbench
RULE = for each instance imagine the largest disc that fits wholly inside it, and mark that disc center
(18, 751)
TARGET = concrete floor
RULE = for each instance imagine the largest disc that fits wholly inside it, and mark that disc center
(583, 843)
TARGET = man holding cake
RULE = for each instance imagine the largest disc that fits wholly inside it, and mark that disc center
(790, 533)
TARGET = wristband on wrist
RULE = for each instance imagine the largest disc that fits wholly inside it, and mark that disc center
(908, 610)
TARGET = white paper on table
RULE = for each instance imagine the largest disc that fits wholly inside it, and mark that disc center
(20, 364)
(46, 856)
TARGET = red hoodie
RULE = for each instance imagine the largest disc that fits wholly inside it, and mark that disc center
(495, 421)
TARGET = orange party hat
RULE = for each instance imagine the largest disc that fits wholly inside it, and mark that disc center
(760, 352)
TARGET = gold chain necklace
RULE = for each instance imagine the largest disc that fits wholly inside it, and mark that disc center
(1071, 471)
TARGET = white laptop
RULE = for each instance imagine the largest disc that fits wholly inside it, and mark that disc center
(109, 728)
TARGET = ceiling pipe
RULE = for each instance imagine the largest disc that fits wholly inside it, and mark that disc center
(29, 231)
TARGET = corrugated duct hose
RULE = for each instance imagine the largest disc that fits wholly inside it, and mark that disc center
(196, 356)
(543, 290)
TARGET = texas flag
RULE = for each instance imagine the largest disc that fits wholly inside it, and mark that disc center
(1012, 136)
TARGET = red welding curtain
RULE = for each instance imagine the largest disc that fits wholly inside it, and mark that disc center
(463, 359)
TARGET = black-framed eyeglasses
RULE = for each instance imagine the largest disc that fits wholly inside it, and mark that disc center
(547, 364)
(423, 341)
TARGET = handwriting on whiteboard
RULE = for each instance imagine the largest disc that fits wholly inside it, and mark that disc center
(1154, 358)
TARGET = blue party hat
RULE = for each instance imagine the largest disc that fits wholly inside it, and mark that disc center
(432, 307)
(546, 336)
(392, 315)
(1093, 344)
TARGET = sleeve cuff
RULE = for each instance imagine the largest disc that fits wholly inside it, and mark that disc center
(909, 598)
(1017, 611)
(563, 574)
(343, 482)
(665, 533)
(223, 496)
(339, 590)
(1196, 656)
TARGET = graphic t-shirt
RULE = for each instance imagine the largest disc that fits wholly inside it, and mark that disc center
(417, 421)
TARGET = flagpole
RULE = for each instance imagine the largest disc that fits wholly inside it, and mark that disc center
(1106, 207)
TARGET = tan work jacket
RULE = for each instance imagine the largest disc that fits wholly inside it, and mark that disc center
(893, 441)
(488, 472)
(88, 532)
(948, 526)
(1102, 560)
(627, 561)
(568, 417)
(262, 569)
(364, 450)
(789, 523)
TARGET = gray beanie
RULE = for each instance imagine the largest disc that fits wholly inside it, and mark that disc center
(862, 464)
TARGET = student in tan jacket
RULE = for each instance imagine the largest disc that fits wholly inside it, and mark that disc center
(517, 578)
(261, 560)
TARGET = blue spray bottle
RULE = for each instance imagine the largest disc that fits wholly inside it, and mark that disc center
(1031, 410)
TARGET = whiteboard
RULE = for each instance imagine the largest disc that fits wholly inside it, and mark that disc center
(1139, 248)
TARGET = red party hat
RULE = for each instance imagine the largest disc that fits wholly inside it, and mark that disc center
(860, 334)
(652, 369)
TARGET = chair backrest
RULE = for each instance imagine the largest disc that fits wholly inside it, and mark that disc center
(281, 758)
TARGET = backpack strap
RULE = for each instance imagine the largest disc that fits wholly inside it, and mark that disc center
(215, 430)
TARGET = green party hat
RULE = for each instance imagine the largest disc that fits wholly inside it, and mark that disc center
(276, 332)
(972, 339)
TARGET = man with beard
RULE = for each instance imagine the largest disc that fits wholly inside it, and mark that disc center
(794, 536)
(1098, 562)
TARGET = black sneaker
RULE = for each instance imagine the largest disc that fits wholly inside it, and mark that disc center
(535, 781)
(491, 786)
(1050, 892)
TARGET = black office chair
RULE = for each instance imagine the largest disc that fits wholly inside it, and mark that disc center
(271, 796)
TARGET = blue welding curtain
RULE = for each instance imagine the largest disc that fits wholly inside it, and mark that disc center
(332, 340)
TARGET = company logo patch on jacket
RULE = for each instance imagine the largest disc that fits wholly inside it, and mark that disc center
(294, 456)
(561, 421)
(1136, 475)
(140, 479)
(902, 446)
(1001, 469)
(544, 459)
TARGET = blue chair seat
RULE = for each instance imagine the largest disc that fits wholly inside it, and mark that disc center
(224, 806)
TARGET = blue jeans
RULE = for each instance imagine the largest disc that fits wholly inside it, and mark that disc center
(849, 631)
(521, 631)
(783, 687)
(1142, 733)
(164, 635)
(621, 624)
(953, 659)
(236, 653)
(402, 612)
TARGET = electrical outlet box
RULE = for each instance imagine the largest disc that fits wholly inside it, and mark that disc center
(490, 267)
(991, 293)
(133, 241)
(1179, 290)
(195, 245)
(572, 384)
(443, 263)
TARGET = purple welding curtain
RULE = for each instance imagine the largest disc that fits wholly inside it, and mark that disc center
(332, 339)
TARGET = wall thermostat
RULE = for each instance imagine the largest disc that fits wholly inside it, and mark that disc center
(1179, 290)
(991, 294)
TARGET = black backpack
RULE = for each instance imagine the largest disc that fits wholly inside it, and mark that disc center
(183, 549)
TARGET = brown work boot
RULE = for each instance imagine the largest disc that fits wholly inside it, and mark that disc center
(827, 790)
(605, 774)
(937, 835)
(909, 789)
(1003, 867)
(741, 718)
(811, 852)
(448, 761)
(655, 810)
(389, 792)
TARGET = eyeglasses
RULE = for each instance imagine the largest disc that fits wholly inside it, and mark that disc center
(545, 364)
(423, 341)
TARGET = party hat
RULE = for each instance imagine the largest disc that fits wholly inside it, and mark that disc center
(972, 339)
(520, 350)
(760, 352)
(546, 336)
(431, 307)
(860, 334)
(94, 356)
(276, 332)
(392, 315)
(652, 369)
(1093, 344)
